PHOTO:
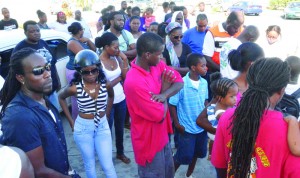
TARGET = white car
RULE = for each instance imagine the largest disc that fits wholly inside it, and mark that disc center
(57, 42)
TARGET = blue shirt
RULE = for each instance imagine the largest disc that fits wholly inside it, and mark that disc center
(142, 20)
(190, 102)
(26, 124)
(194, 39)
(70, 64)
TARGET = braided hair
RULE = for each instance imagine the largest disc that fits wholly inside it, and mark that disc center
(12, 85)
(265, 77)
(220, 86)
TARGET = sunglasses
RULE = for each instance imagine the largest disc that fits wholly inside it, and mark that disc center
(89, 72)
(178, 19)
(178, 37)
(41, 70)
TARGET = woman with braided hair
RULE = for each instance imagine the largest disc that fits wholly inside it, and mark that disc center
(251, 140)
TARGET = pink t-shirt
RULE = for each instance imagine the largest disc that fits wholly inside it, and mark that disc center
(148, 134)
(273, 158)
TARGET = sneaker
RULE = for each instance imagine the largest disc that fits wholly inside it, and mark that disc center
(191, 176)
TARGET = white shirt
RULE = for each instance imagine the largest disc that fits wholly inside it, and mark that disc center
(87, 31)
(59, 27)
(10, 163)
(209, 42)
(225, 67)
(276, 49)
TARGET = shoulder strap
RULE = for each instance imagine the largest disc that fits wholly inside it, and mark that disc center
(125, 37)
(296, 94)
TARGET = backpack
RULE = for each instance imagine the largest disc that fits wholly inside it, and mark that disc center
(289, 104)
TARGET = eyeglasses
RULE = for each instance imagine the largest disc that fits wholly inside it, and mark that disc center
(41, 70)
(89, 72)
(178, 37)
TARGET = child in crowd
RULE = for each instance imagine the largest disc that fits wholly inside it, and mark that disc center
(293, 129)
(149, 17)
(225, 91)
(153, 27)
(184, 109)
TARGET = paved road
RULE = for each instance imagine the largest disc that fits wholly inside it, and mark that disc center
(203, 169)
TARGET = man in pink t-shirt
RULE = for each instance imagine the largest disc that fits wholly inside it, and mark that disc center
(148, 85)
(272, 158)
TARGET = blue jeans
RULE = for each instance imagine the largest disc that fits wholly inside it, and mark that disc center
(90, 139)
(117, 115)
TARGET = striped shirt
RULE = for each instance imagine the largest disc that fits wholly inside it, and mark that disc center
(88, 105)
(190, 102)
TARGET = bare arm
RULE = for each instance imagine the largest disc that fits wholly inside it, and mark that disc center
(293, 135)
(36, 157)
(211, 65)
(124, 64)
(110, 99)
(89, 43)
(202, 120)
(173, 112)
(63, 94)
(131, 52)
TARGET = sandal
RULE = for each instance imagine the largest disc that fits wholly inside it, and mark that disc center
(123, 158)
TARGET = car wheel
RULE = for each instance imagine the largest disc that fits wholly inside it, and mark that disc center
(257, 14)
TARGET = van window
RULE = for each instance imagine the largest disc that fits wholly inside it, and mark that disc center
(5, 58)
(58, 48)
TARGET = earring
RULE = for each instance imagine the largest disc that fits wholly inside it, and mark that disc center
(23, 82)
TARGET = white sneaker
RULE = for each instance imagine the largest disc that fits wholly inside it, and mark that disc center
(191, 176)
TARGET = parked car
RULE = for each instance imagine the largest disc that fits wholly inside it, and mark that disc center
(292, 10)
(248, 7)
(57, 42)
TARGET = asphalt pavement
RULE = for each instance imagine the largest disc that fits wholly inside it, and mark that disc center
(203, 169)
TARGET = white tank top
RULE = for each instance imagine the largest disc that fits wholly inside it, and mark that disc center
(118, 88)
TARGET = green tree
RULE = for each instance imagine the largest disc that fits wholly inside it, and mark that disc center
(278, 4)
(84, 4)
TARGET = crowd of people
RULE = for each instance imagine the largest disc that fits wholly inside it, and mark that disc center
(210, 85)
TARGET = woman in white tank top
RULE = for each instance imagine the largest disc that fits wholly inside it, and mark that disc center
(115, 67)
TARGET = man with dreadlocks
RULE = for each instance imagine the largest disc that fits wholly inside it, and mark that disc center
(251, 140)
(39, 133)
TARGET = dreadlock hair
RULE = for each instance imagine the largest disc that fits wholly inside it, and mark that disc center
(12, 85)
(265, 77)
(220, 86)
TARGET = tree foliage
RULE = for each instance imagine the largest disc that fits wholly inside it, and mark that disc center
(84, 4)
(279, 4)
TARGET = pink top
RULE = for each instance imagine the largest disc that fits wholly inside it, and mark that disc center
(272, 154)
(148, 134)
(149, 20)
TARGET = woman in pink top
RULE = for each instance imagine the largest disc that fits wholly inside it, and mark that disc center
(251, 140)
(240, 59)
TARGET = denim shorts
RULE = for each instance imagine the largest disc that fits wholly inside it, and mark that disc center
(190, 146)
